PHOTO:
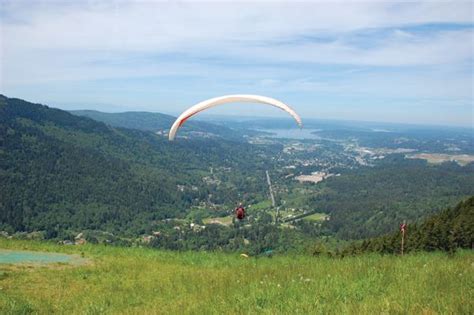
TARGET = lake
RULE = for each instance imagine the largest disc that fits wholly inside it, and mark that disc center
(298, 134)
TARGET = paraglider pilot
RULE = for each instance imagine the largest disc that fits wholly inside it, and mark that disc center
(240, 212)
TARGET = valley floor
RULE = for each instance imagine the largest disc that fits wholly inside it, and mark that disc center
(144, 281)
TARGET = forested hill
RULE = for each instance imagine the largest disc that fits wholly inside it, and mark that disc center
(132, 120)
(370, 201)
(157, 122)
(450, 229)
(62, 171)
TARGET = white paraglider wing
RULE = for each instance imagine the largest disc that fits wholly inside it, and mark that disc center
(230, 99)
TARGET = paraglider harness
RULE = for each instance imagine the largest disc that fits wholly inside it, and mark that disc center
(240, 213)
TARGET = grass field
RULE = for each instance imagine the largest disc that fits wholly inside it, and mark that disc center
(219, 220)
(144, 281)
(316, 217)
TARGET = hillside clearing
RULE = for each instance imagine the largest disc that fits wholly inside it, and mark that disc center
(219, 220)
(316, 217)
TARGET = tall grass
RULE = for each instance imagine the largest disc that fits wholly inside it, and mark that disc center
(138, 280)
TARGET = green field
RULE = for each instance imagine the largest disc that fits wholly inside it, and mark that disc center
(145, 281)
(316, 217)
(221, 220)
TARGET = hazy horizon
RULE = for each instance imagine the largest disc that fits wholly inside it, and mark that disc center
(275, 115)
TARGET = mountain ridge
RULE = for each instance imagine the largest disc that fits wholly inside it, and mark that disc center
(158, 123)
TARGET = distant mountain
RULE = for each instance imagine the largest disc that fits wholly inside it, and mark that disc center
(60, 171)
(448, 230)
(132, 120)
(157, 122)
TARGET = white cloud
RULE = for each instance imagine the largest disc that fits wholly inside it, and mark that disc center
(57, 42)
(164, 26)
(265, 46)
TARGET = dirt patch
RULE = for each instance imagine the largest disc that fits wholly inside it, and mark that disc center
(315, 177)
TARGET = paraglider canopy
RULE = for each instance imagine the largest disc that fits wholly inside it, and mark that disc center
(240, 98)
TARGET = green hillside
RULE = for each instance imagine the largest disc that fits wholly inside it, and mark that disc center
(61, 171)
(448, 230)
(64, 174)
(372, 201)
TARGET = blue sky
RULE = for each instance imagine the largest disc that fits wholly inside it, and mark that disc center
(403, 61)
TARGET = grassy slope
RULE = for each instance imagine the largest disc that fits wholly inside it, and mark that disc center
(136, 280)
